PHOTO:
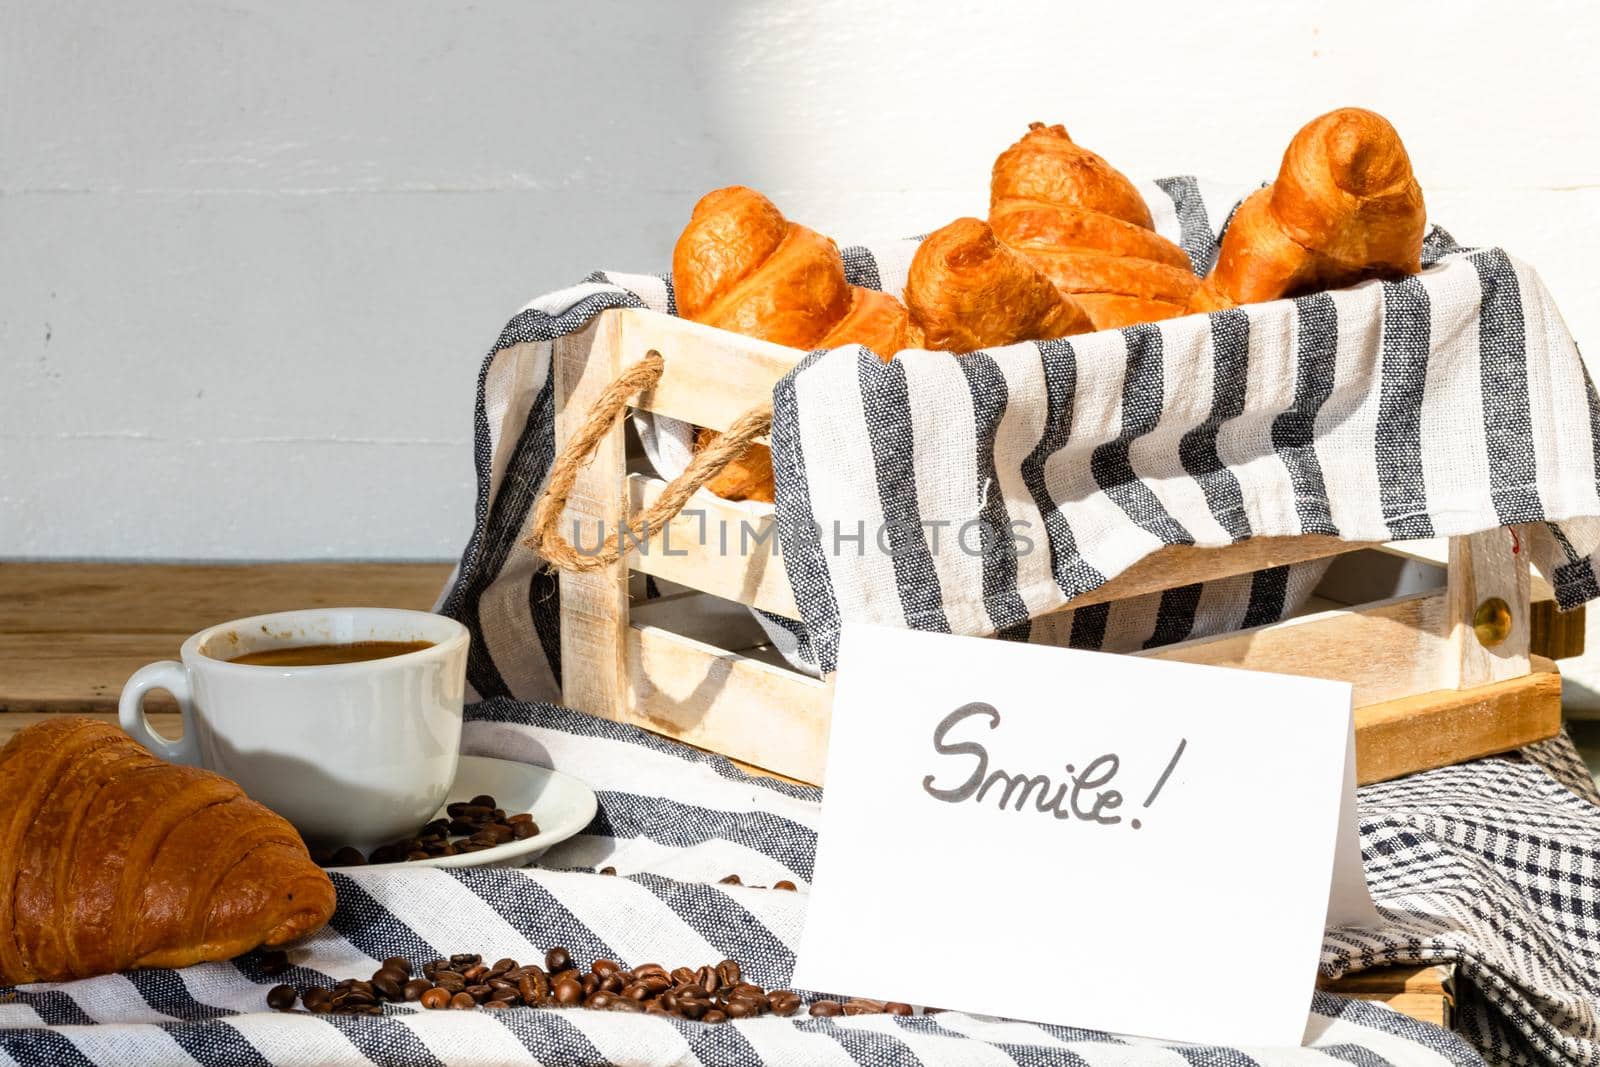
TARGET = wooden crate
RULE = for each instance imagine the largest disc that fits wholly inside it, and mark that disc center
(1428, 691)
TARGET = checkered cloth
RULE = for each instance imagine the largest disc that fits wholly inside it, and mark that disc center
(1494, 865)
(1447, 403)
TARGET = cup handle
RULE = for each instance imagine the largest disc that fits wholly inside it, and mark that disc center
(168, 675)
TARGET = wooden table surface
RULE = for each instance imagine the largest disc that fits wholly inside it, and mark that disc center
(72, 633)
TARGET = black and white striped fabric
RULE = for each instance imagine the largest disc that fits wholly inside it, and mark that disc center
(1447, 403)
(1494, 865)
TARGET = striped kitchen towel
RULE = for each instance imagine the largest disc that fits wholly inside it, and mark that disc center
(977, 495)
(1494, 865)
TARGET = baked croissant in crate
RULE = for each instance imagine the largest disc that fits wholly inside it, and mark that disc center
(966, 291)
(112, 859)
(741, 266)
(1345, 207)
(1083, 224)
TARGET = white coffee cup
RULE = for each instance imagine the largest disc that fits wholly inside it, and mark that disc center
(351, 753)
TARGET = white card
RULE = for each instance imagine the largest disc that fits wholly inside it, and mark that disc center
(1173, 883)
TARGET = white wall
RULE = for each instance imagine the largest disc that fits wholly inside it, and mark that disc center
(251, 252)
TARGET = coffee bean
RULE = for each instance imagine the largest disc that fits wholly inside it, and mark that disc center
(450, 980)
(655, 1007)
(483, 800)
(322, 857)
(497, 1005)
(503, 996)
(415, 988)
(635, 991)
(568, 993)
(478, 993)
(825, 1009)
(785, 884)
(729, 971)
(739, 1009)
(784, 1002)
(498, 815)
(557, 959)
(463, 960)
(693, 1008)
(729, 879)
(624, 1004)
(709, 979)
(524, 830)
(274, 962)
(476, 812)
(599, 1000)
(714, 1016)
(520, 817)
(649, 968)
(462, 826)
(314, 996)
(398, 963)
(349, 857)
(503, 966)
(462, 1001)
(682, 976)
(385, 985)
(356, 998)
(475, 973)
(608, 870)
(605, 967)
(281, 997)
(894, 1007)
(863, 1006)
(436, 828)
(613, 982)
(656, 983)
(418, 854)
(435, 998)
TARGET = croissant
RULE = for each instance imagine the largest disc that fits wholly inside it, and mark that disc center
(112, 859)
(1345, 207)
(741, 266)
(1085, 226)
(967, 291)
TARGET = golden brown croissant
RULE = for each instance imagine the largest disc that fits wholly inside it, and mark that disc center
(740, 265)
(1345, 207)
(112, 859)
(968, 291)
(1087, 228)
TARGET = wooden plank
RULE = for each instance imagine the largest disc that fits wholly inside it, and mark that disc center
(1429, 730)
(594, 606)
(1483, 567)
(1423, 993)
(1390, 649)
(57, 671)
(1555, 634)
(132, 598)
(723, 548)
(709, 377)
(752, 712)
(1178, 565)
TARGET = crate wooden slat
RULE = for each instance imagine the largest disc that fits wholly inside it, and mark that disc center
(1427, 690)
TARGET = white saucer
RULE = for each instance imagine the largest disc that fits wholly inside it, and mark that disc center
(559, 803)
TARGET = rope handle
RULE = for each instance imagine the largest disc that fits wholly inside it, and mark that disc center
(602, 418)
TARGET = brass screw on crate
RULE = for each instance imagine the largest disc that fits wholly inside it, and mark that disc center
(1492, 622)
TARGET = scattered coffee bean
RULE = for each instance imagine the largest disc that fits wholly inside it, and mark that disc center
(348, 857)
(729, 879)
(710, 994)
(608, 870)
(785, 884)
(478, 824)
